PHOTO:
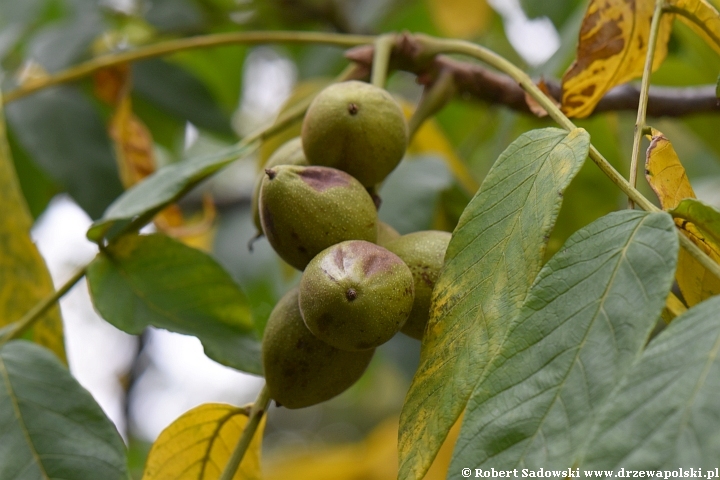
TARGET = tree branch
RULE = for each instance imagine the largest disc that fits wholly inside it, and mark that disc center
(475, 81)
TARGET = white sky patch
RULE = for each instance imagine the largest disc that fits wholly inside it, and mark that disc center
(268, 80)
(535, 40)
(98, 353)
(178, 377)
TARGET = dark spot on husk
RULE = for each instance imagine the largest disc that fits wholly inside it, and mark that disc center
(374, 263)
(353, 108)
(351, 294)
(322, 178)
(323, 322)
(427, 280)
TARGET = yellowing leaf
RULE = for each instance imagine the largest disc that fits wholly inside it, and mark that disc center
(133, 144)
(24, 278)
(611, 51)
(373, 458)
(702, 17)
(460, 18)
(665, 173)
(669, 181)
(198, 445)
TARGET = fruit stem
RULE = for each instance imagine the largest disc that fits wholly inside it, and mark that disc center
(256, 413)
(435, 96)
(381, 59)
(644, 90)
(40, 308)
(165, 48)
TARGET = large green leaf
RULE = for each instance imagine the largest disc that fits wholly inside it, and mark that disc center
(142, 280)
(664, 414)
(162, 188)
(50, 426)
(180, 93)
(584, 322)
(66, 137)
(494, 255)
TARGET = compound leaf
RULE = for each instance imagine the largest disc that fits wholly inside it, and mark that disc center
(583, 324)
(493, 257)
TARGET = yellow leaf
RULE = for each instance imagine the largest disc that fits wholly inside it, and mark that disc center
(24, 278)
(702, 17)
(374, 458)
(665, 173)
(198, 445)
(611, 51)
(460, 18)
(133, 144)
(669, 181)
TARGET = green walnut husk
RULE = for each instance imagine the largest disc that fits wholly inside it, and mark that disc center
(424, 253)
(386, 233)
(356, 295)
(304, 210)
(301, 370)
(355, 127)
(289, 153)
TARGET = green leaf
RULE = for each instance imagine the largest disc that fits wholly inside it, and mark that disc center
(411, 193)
(495, 253)
(50, 426)
(178, 92)
(703, 216)
(58, 45)
(664, 413)
(162, 188)
(66, 137)
(583, 324)
(142, 280)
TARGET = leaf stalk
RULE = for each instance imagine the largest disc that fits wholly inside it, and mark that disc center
(644, 91)
(40, 308)
(256, 413)
(172, 46)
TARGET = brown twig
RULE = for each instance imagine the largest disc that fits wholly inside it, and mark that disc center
(477, 82)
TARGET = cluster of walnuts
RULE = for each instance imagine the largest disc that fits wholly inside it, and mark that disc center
(362, 282)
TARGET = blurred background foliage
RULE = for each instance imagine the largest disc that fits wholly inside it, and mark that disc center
(199, 101)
